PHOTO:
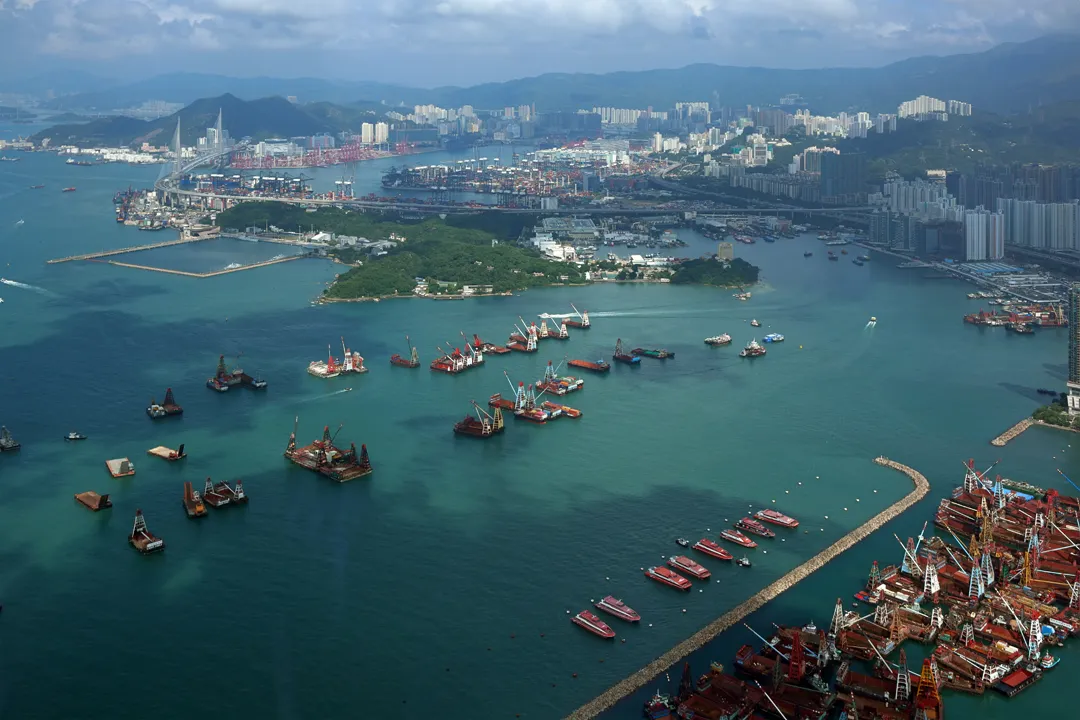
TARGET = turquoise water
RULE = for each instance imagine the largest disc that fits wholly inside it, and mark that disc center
(442, 582)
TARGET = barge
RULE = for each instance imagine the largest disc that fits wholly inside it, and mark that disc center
(323, 457)
(553, 384)
(598, 366)
(457, 361)
(657, 353)
(168, 407)
(193, 504)
(489, 347)
(142, 539)
(166, 453)
(212, 497)
(622, 357)
(413, 361)
(484, 425)
(581, 322)
(224, 378)
(558, 410)
(94, 501)
(120, 467)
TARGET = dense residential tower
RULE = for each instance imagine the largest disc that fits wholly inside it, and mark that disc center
(1073, 383)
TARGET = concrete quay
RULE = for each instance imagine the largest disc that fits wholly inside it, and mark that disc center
(1012, 432)
(646, 675)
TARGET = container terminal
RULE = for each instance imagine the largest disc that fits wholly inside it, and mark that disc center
(323, 457)
(990, 596)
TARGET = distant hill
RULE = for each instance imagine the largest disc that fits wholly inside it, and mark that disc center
(1009, 78)
(267, 117)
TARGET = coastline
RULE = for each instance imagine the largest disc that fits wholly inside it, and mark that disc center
(767, 594)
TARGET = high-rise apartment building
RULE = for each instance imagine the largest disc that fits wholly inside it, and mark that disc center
(382, 132)
(367, 133)
(984, 235)
(1073, 383)
(842, 174)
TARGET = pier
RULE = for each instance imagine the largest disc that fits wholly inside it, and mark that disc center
(1012, 432)
(213, 273)
(121, 251)
(695, 642)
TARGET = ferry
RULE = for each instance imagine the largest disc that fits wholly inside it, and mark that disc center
(681, 562)
(668, 577)
(752, 350)
(593, 624)
(753, 526)
(613, 606)
(755, 323)
(738, 538)
(711, 547)
(724, 339)
(773, 337)
(776, 518)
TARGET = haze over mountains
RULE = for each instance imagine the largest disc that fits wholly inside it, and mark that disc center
(1009, 78)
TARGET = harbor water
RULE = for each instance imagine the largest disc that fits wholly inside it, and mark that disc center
(442, 583)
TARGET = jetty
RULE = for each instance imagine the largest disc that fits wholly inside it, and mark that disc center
(645, 676)
(1012, 432)
(121, 251)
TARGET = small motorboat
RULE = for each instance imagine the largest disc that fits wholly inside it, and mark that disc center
(755, 323)
(683, 542)
(74, 436)
(743, 562)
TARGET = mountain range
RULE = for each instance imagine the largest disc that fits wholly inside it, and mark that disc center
(1008, 78)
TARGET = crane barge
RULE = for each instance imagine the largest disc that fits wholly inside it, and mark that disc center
(323, 457)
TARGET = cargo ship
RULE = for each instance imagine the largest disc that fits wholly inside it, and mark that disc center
(142, 539)
(753, 526)
(681, 562)
(659, 354)
(752, 350)
(413, 361)
(325, 370)
(773, 338)
(193, 504)
(738, 538)
(613, 606)
(668, 577)
(7, 442)
(323, 457)
(776, 518)
(711, 547)
(724, 339)
(599, 366)
(555, 385)
(593, 624)
(94, 501)
(483, 425)
(558, 410)
(581, 321)
(212, 497)
(224, 378)
(167, 408)
(622, 357)
(488, 347)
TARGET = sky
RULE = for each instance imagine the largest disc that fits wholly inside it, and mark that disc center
(426, 43)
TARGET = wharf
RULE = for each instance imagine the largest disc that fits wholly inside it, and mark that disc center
(646, 675)
(1012, 432)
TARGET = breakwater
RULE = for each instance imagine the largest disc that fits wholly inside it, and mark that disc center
(107, 253)
(1012, 432)
(213, 273)
(696, 641)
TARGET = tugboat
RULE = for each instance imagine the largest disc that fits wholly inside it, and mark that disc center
(167, 408)
(753, 526)
(622, 357)
(755, 323)
(660, 707)
(668, 577)
(712, 548)
(593, 624)
(74, 436)
(484, 425)
(681, 562)
(142, 539)
(753, 349)
(413, 360)
(724, 339)
(743, 562)
(1048, 661)
(613, 606)
(738, 538)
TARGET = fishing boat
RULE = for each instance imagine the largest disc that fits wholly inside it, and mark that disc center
(483, 425)
(724, 339)
(413, 361)
(593, 624)
(752, 349)
(668, 577)
(613, 606)
(712, 548)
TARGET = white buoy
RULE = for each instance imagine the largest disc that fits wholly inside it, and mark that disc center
(826, 517)
(774, 502)
(607, 578)
(875, 491)
(764, 552)
(650, 624)
(684, 609)
(800, 482)
(787, 492)
(845, 509)
(817, 477)
(857, 500)
(783, 540)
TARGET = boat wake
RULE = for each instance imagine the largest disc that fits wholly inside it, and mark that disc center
(24, 286)
(323, 397)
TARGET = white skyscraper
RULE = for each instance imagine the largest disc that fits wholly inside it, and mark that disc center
(367, 133)
(657, 143)
(382, 132)
(984, 235)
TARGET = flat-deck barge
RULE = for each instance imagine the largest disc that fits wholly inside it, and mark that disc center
(323, 457)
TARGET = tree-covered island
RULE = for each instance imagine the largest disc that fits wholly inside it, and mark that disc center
(719, 273)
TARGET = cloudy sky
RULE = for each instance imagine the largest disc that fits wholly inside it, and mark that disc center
(431, 42)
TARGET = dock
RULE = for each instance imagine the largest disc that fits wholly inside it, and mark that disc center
(1012, 432)
(647, 674)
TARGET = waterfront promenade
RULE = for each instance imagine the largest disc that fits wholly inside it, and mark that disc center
(757, 601)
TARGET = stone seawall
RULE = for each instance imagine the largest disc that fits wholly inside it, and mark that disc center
(645, 675)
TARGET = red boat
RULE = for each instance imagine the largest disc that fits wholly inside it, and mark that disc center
(69, 189)
(593, 624)
(613, 606)
(598, 366)
(488, 347)
(582, 320)
(213, 496)
(681, 562)
(668, 577)
(738, 538)
(753, 526)
(413, 361)
(562, 409)
(483, 425)
(776, 518)
(711, 547)
(498, 401)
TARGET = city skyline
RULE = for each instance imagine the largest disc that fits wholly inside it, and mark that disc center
(485, 41)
